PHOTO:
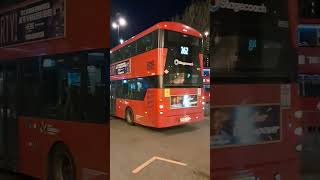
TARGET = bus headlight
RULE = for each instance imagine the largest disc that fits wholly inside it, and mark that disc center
(298, 114)
(161, 112)
(203, 97)
(203, 103)
(161, 106)
(277, 177)
(298, 131)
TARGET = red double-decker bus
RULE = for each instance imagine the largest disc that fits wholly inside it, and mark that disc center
(307, 23)
(254, 133)
(156, 77)
(53, 69)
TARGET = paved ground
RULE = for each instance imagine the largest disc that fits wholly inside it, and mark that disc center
(131, 146)
(10, 176)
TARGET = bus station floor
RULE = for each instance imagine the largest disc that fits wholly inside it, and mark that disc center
(133, 146)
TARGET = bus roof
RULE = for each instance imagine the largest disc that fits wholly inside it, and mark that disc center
(173, 26)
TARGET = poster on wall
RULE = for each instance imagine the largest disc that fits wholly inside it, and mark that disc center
(245, 125)
(37, 21)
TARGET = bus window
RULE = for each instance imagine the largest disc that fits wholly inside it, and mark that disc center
(61, 79)
(309, 8)
(182, 64)
(147, 43)
(30, 82)
(96, 90)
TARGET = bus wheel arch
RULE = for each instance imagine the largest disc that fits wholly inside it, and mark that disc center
(61, 165)
(129, 116)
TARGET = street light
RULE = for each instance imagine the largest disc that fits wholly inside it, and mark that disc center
(114, 25)
(121, 41)
(206, 33)
(120, 22)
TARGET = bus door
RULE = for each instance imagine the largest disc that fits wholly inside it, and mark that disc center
(8, 116)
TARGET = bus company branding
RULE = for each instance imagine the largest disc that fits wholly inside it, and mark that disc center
(37, 21)
(48, 129)
(237, 7)
(178, 62)
(245, 125)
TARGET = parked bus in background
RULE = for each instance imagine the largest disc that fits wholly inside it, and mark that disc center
(53, 119)
(254, 134)
(156, 77)
(307, 23)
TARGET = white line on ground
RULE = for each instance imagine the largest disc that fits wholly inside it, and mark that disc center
(139, 168)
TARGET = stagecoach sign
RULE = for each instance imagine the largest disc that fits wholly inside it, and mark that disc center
(36, 21)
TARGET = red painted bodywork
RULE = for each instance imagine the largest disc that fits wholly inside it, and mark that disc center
(259, 160)
(308, 105)
(86, 29)
(262, 160)
(147, 112)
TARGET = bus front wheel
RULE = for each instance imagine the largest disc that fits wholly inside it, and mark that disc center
(61, 165)
(129, 116)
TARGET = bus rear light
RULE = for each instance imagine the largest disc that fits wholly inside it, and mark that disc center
(298, 131)
(299, 147)
(298, 114)
(161, 106)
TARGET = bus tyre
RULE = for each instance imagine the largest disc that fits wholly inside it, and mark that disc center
(130, 116)
(61, 164)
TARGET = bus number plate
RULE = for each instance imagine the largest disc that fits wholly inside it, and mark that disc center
(185, 119)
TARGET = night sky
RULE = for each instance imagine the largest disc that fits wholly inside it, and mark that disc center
(142, 14)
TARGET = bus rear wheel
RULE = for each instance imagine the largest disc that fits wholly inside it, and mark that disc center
(130, 116)
(61, 165)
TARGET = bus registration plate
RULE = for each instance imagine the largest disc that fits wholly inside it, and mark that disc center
(185, 119)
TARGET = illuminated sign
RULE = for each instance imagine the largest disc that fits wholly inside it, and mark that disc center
(252, 44)
(178, 62)
(184, 50)
(36, 21)
(184, 101)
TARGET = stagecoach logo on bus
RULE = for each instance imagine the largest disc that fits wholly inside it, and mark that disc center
(178, 62)
(237, 7)
(48, 129)
(245, 125)
(36, 21)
